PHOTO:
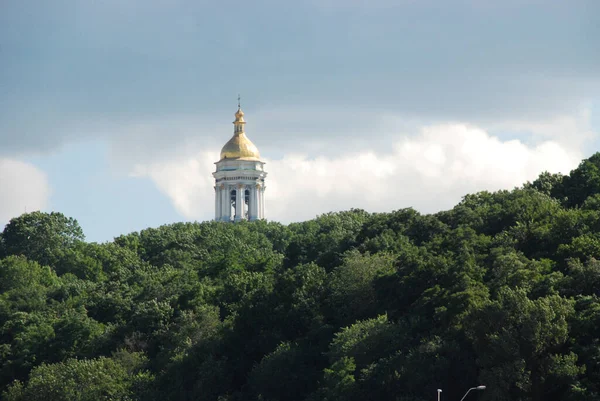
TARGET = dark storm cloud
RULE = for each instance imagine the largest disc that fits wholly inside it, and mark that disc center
(72, 70)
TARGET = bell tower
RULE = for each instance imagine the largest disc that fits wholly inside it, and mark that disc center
(239, 177)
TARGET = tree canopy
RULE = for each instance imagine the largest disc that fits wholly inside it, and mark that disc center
(501, 290)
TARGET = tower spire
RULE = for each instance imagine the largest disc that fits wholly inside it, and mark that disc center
(239, 119)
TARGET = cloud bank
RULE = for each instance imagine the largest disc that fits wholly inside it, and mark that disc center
(23, 187)
(430, 171)
(114, 63)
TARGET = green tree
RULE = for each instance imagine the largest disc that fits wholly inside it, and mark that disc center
(582, 182)
(352, 293)
(547, 183)
(81, 380)
(40, 236)
(286, 374)
(518, 340)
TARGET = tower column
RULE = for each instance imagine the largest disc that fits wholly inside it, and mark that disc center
(258, 202)
(251, 204)
(225, 205)
(239, 202)
(217, 202)
(262, 202)
(254, 201)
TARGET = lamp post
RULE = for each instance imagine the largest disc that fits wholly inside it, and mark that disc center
(472, 388)
(439, 391)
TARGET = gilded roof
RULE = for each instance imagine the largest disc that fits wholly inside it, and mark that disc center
(239, 146)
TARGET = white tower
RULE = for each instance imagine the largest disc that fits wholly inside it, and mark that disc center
(240, 178)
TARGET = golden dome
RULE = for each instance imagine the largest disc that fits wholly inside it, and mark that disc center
(239, 146)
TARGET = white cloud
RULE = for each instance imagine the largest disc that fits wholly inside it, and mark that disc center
(430, 171)
(187, 182)
(22, 187)
(570, 130)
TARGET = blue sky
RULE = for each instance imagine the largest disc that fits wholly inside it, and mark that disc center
(113, 112)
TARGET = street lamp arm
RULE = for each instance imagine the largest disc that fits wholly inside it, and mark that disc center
(467, 393)
(472, 388)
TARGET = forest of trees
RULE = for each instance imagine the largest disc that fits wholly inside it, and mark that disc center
(503, 290)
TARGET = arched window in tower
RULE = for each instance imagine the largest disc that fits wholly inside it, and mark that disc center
(232, 200)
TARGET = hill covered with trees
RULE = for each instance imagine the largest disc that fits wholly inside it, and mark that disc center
(502, 290)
